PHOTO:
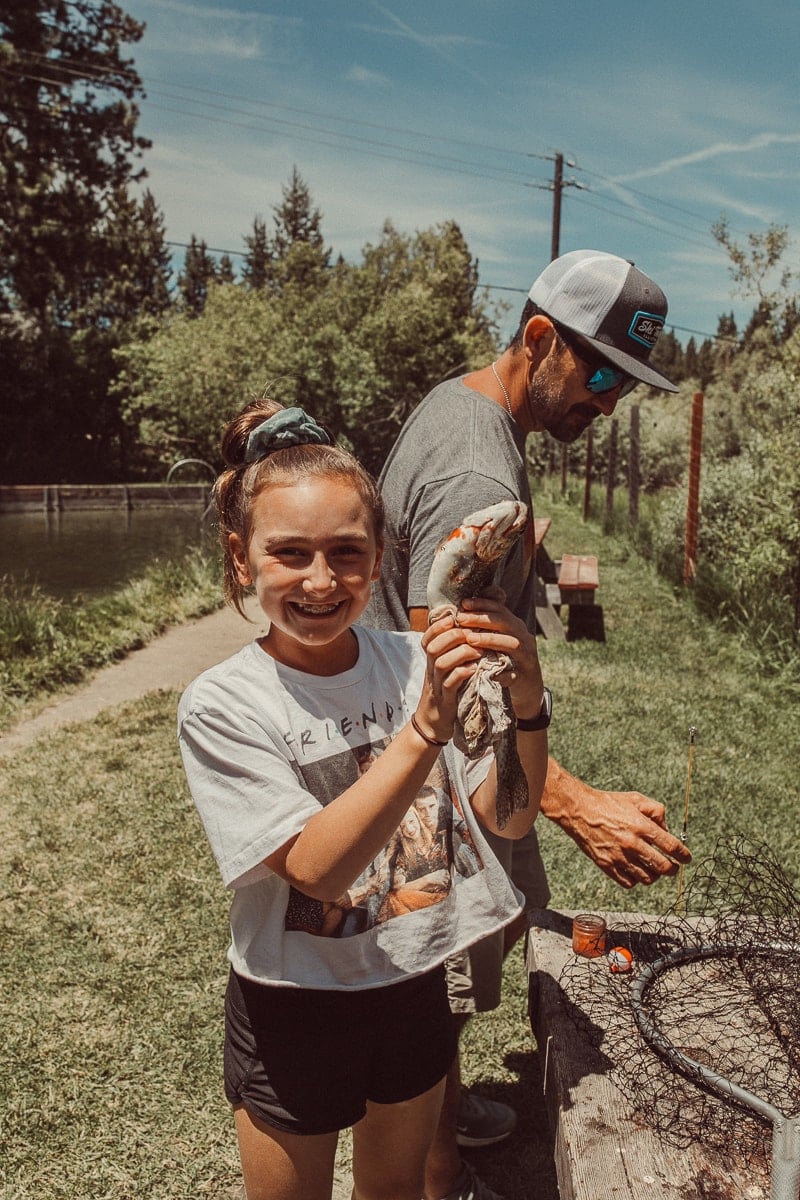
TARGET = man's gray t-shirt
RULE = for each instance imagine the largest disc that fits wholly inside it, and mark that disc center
(457, 453)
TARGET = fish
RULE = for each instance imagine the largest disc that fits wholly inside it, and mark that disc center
(466, 565)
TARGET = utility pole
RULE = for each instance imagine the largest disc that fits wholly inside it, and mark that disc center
(558, 187)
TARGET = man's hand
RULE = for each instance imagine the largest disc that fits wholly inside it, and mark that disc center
(624, 833)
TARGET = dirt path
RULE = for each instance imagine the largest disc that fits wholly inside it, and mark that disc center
(171, 661)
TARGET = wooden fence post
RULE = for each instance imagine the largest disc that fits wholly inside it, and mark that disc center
(612, 472)
(587, 481)
(634, 472)
(693, 499)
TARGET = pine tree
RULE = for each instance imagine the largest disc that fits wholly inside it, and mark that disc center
(727, 340)
(667, 356)
(225, 272)
(67, 105)
(199, 270)
(706, 363)
(299, 254)
(74, 247)
(256, 268)
(131, 275)
(296, 221)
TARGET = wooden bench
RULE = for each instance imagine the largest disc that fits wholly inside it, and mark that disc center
(579, 577)
(578, 581)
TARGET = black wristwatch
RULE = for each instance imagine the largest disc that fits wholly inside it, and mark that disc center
(543, 720)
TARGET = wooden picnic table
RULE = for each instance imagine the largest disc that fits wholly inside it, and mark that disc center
(571, 580)
(548, 622)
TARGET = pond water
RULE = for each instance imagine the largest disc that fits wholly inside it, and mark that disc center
(90, 552)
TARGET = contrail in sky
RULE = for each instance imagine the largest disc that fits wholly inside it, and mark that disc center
(713, 151)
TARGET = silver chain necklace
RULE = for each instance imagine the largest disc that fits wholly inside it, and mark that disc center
(503, 390)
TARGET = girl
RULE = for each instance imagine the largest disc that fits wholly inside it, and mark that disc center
(304, 752)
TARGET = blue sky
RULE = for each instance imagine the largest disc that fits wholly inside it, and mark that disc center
(673, 115)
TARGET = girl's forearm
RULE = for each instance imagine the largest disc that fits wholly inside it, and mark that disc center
(343, 838)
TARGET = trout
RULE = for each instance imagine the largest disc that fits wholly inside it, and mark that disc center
(466, 565)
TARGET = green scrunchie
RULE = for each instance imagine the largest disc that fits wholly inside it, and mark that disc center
(289, 427)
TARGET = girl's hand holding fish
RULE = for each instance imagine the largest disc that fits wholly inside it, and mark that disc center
(451, 662)
(489, 625)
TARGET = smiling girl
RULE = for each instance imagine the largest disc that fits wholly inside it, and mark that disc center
(336, 1008)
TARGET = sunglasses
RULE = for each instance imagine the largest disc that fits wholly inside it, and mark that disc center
(604, 377)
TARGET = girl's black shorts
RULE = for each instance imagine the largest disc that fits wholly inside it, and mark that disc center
(307, 1061)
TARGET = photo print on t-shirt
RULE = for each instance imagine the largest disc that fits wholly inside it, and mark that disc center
(416, 869)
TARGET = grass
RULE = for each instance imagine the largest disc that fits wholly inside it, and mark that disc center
(114, 923)
(48, 644)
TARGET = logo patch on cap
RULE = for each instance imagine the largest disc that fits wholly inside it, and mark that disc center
(645, 328)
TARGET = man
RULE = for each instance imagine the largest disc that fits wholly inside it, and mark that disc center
(584, 340)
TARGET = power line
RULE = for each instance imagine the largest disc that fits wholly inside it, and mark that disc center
(645, 195)
(640, 221)
(385, 150)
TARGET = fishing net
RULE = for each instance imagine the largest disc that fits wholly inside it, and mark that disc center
(702, 1035)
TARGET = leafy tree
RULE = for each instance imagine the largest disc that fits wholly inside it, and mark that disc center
(359, 348)
(757, 269)
(749, 548)
(178, 386)
(749, 552)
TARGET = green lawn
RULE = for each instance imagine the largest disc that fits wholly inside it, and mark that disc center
(114, 921)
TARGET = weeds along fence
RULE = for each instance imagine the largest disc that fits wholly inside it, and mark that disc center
(693, 512)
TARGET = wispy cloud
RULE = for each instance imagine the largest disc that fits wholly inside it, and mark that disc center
(223, 45)
(214, 31)
(760, 142)
(205, 12)
(368, 78)
(444, 46)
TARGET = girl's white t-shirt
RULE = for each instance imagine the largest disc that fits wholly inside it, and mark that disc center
(265, 747)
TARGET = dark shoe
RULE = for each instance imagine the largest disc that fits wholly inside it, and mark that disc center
(483, 1122)
(470, 1187)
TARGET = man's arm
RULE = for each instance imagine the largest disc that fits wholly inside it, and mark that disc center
(624, 833)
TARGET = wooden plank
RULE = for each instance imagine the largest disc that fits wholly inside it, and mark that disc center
(578, 571)
(541, 526)
(548, 622)
(603, 1151)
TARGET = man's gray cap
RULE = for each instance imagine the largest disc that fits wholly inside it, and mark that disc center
(611, 304)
